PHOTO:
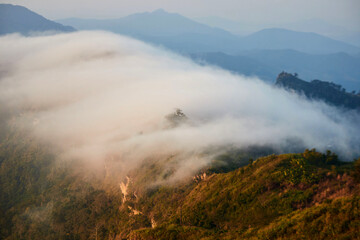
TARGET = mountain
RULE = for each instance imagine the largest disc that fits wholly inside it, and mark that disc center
(160, 27)
(318, 26)
(185, 35)
(352, 38)
(307, 42)
(274, 197)
(308, 195)
(340, 68)
(243, 65)
(328, 92)
(156, 23)
(18, 19)
(236, 27)
(314, 25)
(326, 29)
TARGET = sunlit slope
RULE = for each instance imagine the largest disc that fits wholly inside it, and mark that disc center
(310, 195)
(294, 196)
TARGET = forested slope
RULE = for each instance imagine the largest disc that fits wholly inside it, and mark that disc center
(311, 195)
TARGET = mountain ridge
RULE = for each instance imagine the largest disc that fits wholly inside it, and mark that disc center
(18, 19)
(341, 68)
(328, 92)
(179, 33)
(139, 21)
(307, 42)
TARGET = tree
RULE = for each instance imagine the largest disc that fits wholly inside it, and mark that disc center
(177, 118)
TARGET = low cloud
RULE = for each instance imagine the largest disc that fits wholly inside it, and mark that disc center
(95, 96)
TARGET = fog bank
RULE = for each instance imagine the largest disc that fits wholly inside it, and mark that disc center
(97, 96)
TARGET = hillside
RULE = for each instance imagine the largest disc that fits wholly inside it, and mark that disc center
(309, 195)
(330, 93)
(287, 196)
(18, 19)
(340, 68)
(238, 64)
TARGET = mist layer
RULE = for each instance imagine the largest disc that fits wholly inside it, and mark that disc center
(95, 96)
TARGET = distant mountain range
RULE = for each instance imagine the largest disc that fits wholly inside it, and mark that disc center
(309, 25)
(244, 65)
(162, 28)
(175, 32)
(185, 35)
(157, 23)
(328, 92)
(326, 29)
(306, 42)
(340, 68)
(263, 54)
(18, 19)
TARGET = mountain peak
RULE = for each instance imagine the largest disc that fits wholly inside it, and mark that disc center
(22, 20)
(160, 11)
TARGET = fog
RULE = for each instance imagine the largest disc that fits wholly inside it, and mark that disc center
(96, 96)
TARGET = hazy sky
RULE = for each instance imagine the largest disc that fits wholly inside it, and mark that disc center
(341, 12)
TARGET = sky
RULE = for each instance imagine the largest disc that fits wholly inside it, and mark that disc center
(340, 12)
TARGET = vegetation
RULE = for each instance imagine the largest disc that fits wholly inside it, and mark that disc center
(177, 118)
(328, 92)
(309, 195)
(262, 200)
